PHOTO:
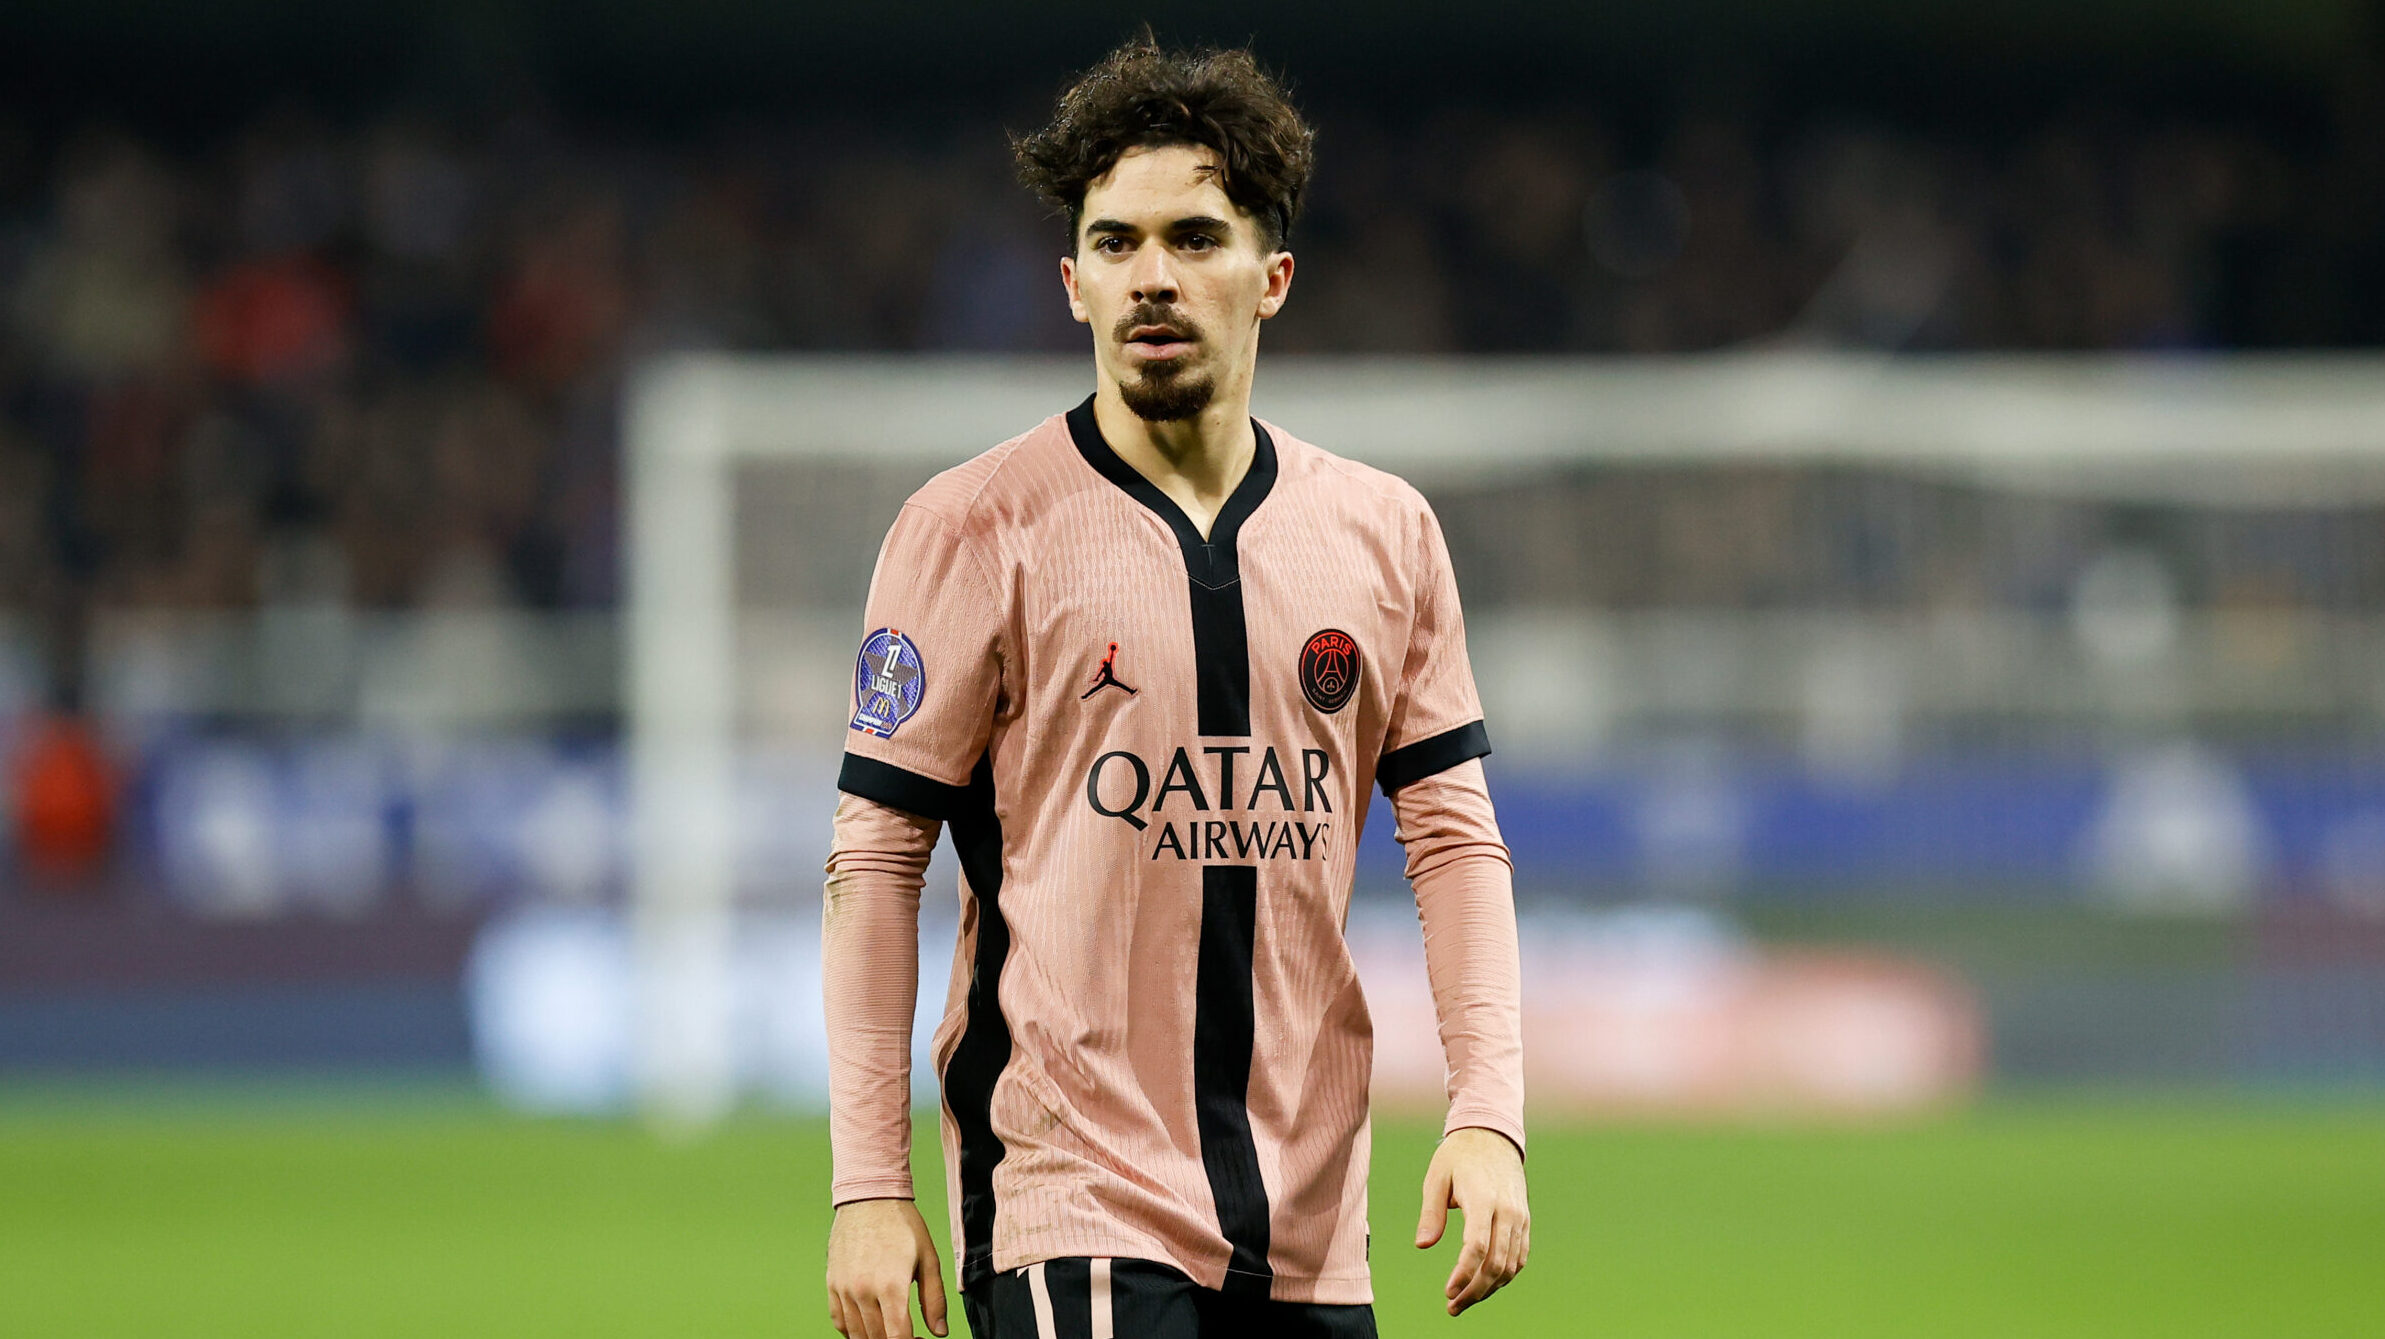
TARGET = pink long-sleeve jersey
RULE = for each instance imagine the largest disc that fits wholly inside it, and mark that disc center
(1153, 749)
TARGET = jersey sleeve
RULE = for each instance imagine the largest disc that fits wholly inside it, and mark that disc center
(869, 972)
(1436, 717)
(927, 678)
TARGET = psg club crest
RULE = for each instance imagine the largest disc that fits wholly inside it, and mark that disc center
(1329, 670)
(888, 681)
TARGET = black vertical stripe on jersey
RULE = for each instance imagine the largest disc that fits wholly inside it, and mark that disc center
(1213, 571)
(984, 1048)
(1221, 657)
(1224, 1023)
(1224, 1009)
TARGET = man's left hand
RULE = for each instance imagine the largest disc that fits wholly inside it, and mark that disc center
(1480, 1174)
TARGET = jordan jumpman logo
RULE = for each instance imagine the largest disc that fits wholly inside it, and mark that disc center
(1108, 677)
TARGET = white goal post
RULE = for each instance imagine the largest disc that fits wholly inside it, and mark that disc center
(2311, 428)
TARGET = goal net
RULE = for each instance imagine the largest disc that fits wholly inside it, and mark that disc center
(1752, 631)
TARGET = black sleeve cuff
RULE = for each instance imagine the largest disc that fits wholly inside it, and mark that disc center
(897, 788)
(1414, 762)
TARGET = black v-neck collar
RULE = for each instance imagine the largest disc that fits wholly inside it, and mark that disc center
(1210, 562)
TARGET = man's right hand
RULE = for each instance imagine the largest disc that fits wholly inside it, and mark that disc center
(876, 1250)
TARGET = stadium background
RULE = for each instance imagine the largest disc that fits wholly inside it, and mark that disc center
(316, 328)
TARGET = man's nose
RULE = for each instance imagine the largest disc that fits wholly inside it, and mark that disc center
(1154, 276)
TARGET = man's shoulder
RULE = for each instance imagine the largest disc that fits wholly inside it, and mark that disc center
(1388, 494)
(966, 496)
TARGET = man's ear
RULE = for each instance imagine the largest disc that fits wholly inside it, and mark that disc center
(1279, 284)
(1076, 300)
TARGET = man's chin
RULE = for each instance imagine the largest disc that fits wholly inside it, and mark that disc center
(1169, 397)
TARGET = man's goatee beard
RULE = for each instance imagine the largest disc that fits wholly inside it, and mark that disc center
(1167, 398)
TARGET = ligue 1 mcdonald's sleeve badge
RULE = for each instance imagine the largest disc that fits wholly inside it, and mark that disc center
(888, 681)
(1329, 670)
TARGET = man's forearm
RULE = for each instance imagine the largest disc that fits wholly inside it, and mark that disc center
(869, 958)
(1468, 909)
(1465, 897)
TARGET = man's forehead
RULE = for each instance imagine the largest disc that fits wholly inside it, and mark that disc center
(1168, 173)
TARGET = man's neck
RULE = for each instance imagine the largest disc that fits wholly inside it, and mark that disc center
(1198, 462)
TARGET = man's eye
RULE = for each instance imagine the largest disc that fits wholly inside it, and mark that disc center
(1110, 246)
(1199, 241)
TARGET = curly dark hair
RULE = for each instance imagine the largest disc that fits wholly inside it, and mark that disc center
(1142, 96)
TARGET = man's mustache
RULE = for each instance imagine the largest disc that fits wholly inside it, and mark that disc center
(1152, 313)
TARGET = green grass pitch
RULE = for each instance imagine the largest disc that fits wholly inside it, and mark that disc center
(2045, 1217)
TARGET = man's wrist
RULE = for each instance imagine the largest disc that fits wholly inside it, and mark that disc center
(1512, 1141)
(874, 1188)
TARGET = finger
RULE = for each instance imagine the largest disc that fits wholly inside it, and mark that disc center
(1477, 1244)
(1435, 1219)
(859, 1322)
(931, 1291)
(1502, 1264)
(1484, 1281)
(1475, 1290)
(836, 1313)
(896, 1307)
(1466, 1283)
(1494, 1261)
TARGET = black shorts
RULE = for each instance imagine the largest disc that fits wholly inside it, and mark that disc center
(1078, 1298)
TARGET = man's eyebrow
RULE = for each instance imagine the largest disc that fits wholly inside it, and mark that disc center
(1197, 223)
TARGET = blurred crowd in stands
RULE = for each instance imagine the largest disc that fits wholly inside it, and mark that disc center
(379, 364)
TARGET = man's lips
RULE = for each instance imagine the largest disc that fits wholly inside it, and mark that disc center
(1158, 343)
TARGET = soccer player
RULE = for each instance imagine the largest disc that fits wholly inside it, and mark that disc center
(1146, 662)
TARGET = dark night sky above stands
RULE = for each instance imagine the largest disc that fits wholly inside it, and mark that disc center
(187, 68)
